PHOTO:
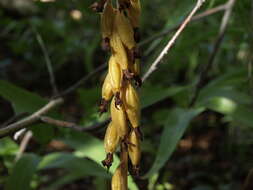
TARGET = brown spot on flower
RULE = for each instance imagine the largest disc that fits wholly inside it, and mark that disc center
(118, 101)
(107, 162)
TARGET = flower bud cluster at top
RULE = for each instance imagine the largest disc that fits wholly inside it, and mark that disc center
(120, 35)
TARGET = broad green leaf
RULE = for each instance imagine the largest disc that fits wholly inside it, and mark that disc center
(174, 128)
(22, 173)
(224, 95)
(22, 100)
(238, 112)
(25, 101)
(72, 163)
(234, 77)
(226, 86)
(226, 92)
(152, 94)
(77, 168)
(63, 180)
(8, 147)
(93, 148)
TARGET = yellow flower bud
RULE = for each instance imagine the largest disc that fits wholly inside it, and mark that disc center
(132, 105)
(134, 150)
(119, 119)
(125, 30)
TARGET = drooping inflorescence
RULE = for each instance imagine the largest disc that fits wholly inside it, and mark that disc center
(120, 35)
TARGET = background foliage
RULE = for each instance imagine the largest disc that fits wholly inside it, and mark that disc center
(204, 147)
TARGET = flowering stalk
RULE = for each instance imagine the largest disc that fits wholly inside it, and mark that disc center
(120, 36)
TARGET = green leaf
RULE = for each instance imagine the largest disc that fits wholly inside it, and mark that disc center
(93, 148)
(226, 92)
(174, 128)
(238, 112)
(22, 100)
(8, 147)
(63, 180)
(22, 173)
(226, 86)
(25, 101)
(72, 163)
(77, 168)
(152, 94)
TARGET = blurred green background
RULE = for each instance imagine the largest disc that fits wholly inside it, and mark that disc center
(205, 147)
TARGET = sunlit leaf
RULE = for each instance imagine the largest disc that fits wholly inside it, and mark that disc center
(24, 101)
(86, 145)
(22, 173)
(174, 128)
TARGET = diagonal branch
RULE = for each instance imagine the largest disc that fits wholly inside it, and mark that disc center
(194, 18)
(30, 119)
(10, 128)
(158, 60)
(217, 45)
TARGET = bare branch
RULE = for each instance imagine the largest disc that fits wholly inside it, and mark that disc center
(57, 100)
(217, 44)
(194, 18)
(154, 65)
(48, 61)
(30, 119)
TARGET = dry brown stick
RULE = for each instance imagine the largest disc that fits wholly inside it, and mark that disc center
(70, 125)
(30, 119)
(158, 60)
(194, 18)
(217, 44)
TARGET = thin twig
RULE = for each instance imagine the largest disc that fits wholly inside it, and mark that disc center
(197, 17)
(153, 67)
(70, 125)
(23, 144)
(48, 61)
(217, 44)
(30, 119)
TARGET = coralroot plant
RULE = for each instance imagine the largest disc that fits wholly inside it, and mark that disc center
(119, 26)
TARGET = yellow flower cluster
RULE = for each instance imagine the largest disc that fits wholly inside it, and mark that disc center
(120, 35)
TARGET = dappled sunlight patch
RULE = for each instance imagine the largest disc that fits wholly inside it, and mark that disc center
(76, 14)
(223, 104)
